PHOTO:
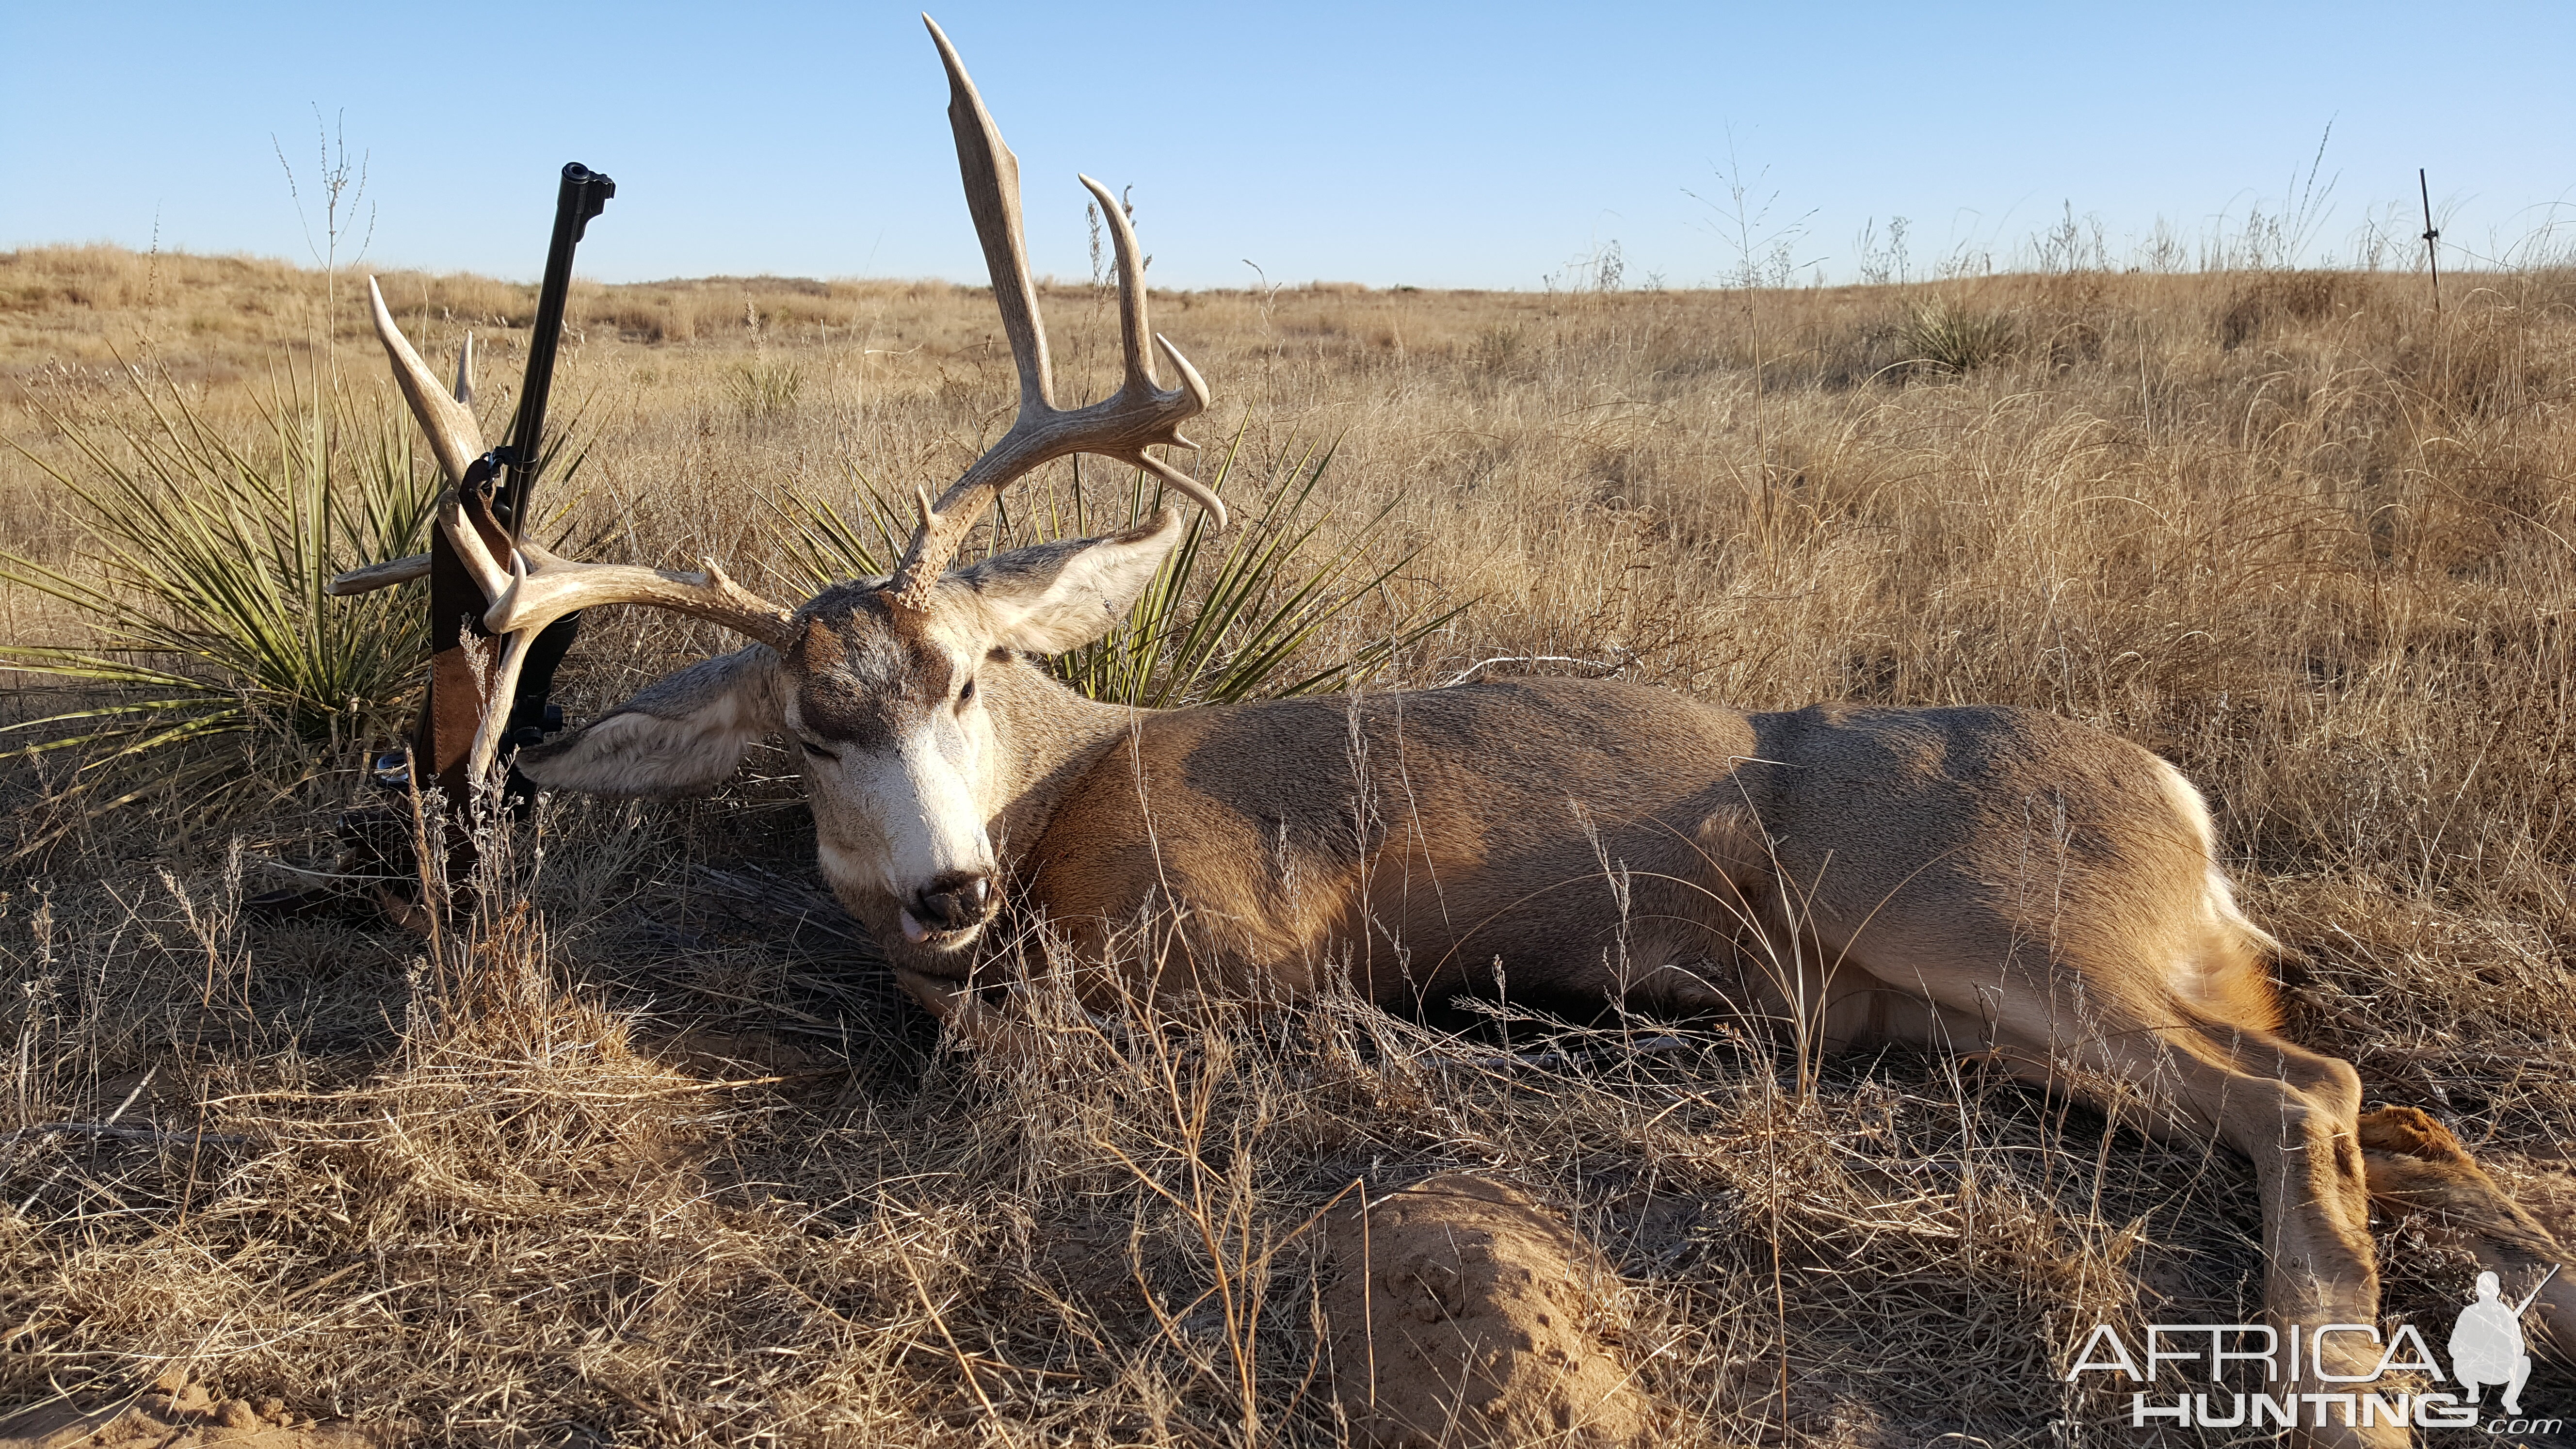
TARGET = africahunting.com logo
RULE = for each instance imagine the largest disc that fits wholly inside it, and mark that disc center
(2485, 1352)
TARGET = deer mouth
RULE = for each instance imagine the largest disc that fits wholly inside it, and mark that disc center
(936, 938)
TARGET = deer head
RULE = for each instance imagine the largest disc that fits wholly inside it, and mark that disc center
(912, 700)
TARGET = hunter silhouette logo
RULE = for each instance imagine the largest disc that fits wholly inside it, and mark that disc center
(2486, 1344)
(2485, 1351)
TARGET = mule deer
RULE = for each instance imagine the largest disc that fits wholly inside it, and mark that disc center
(1974, 880)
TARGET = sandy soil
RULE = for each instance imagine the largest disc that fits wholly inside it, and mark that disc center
(176, 1414)
(1464, 1315)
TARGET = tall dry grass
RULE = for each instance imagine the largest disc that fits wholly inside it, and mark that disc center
(654, 1152)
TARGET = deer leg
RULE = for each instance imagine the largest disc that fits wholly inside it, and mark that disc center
(968, 1019)
(2292, 1113)
(2416, 1166)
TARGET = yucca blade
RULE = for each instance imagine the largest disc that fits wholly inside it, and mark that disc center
(200, 585)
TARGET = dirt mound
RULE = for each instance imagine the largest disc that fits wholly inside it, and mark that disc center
(1461, 1315)
(176, 1414)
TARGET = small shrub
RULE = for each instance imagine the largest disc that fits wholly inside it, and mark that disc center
(1501, 350)
(1945, 336)
(765, 392)
(2279, 297)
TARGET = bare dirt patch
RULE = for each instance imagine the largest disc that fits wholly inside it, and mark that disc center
(1464, 1315)
(176, 1414)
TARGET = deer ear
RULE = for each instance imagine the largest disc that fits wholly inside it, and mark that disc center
(1056, 596)
(683, 734)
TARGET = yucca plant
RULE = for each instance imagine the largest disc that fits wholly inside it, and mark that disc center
(1213, 627)
(765, 392)
(201, 585)
(1944, 336)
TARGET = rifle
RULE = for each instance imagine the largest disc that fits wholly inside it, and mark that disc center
(496, 498)
(2520, 1308)
(583, 194)
(496, 495)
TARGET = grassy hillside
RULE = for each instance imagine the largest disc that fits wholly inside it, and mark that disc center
(655, 1152)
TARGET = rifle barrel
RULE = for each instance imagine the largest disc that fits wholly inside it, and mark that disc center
(2534, 1295)
(581, 196)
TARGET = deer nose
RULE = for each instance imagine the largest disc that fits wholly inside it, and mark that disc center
(955, 901)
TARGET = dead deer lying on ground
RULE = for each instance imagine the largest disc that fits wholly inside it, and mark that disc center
(1988, 881)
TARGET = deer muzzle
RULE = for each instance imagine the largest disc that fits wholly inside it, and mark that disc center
(952, 906)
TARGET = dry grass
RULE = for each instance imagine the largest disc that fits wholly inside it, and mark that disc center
(656, 1153)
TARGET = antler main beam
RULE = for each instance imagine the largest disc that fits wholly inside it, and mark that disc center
(545, 586)
(1138, 416)
(536, 587)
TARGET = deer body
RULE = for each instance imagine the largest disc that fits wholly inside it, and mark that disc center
(1982, 881)
(1608, 839)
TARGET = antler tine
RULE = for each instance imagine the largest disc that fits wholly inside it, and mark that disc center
(1140, 385)
(1132, 331)
(1138, 416)
(453, 434)
(1131, 289)
(992, 176)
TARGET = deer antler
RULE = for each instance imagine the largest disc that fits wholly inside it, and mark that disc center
(544, 587)
(456, 439)
(537, 587)
(1138, 416)
(555, 586)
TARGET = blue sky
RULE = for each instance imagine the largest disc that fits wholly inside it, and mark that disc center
(1447, 145)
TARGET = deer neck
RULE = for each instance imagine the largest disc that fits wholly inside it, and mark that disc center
(1045, 736)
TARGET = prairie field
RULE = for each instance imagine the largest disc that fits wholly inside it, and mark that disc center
(647, 1147)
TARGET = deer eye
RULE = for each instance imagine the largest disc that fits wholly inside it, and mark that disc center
(817, 751)
(966, 693)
